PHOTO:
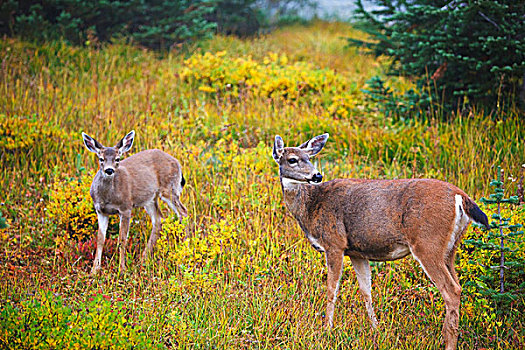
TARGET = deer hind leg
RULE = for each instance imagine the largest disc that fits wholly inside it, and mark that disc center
(177, 191)
(172, 198)
(154, 212)
(125, 218)
(362, 271)
(181, 208)
(450, 262)
(451, 256)
(437, 269)
(103, 221)
(334, 263)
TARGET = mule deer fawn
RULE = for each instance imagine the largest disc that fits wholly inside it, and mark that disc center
(137, 181)
(378, 220)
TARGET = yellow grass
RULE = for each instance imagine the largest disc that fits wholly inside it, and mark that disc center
(243, 276)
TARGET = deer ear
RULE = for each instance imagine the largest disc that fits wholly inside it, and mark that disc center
(91, 144)
(315, 145)
(125, 144)
(278, 148)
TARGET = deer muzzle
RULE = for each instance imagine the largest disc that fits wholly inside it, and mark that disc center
(317, 178)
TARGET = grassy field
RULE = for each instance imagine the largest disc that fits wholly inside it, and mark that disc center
(238, 273)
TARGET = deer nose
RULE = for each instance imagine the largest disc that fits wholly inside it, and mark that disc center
(109, 171)
(317, 178)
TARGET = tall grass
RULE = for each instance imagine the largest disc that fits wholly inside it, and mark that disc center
(267, 289)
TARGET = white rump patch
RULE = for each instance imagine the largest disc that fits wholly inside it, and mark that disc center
(460, 222)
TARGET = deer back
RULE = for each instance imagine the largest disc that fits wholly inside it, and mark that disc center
(376, 219)
(138, 180)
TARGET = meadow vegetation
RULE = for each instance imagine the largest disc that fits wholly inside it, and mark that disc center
(238, 272)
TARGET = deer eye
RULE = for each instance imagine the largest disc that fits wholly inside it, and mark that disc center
(101, 159)
(292, 160)
(117, 160)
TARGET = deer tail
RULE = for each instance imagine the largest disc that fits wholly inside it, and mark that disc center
(476, 214)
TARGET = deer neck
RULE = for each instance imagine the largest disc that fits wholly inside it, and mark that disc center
(105, 185)
(297, 198)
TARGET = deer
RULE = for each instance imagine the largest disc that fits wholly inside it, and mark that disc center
(377, 220)
(136, 181)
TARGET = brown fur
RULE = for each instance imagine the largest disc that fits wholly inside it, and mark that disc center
(137, 181)
(377, 220)
(365, 208)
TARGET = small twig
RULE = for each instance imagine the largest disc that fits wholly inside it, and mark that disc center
(80, 257)
(520, 184)
(489, 20)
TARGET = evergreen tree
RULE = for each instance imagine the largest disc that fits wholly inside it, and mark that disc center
(151, 23)
(508, 283)
(462, 52)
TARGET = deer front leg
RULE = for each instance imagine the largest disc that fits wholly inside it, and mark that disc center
(125, 218)
(103, 221)
(334, 264)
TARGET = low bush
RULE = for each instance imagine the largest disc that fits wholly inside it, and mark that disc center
(275, 77)
(70, 207)
(203, 248)
(49, 322)
(24, 140)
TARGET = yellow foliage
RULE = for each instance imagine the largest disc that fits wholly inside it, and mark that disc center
(239, 265)
(22, 133)
(274, 77)
(48, 323)
(201, 249)
(71, 208)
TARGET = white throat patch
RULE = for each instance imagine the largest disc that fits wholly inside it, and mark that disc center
(289, 183)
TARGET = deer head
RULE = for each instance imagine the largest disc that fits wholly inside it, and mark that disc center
(109, 157)
(294, 162)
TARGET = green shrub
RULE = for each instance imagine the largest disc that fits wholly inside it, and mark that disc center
(163, 23)
(462, 52)
(151, 23)
(398, 106)
(48, 322)
(3, 221)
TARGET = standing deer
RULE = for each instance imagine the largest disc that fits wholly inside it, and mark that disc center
(137, 181)
(378, 220)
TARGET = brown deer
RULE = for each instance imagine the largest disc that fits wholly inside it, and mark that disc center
(378, 220)
(137, 181)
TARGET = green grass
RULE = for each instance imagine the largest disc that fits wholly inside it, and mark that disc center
(265, 288)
